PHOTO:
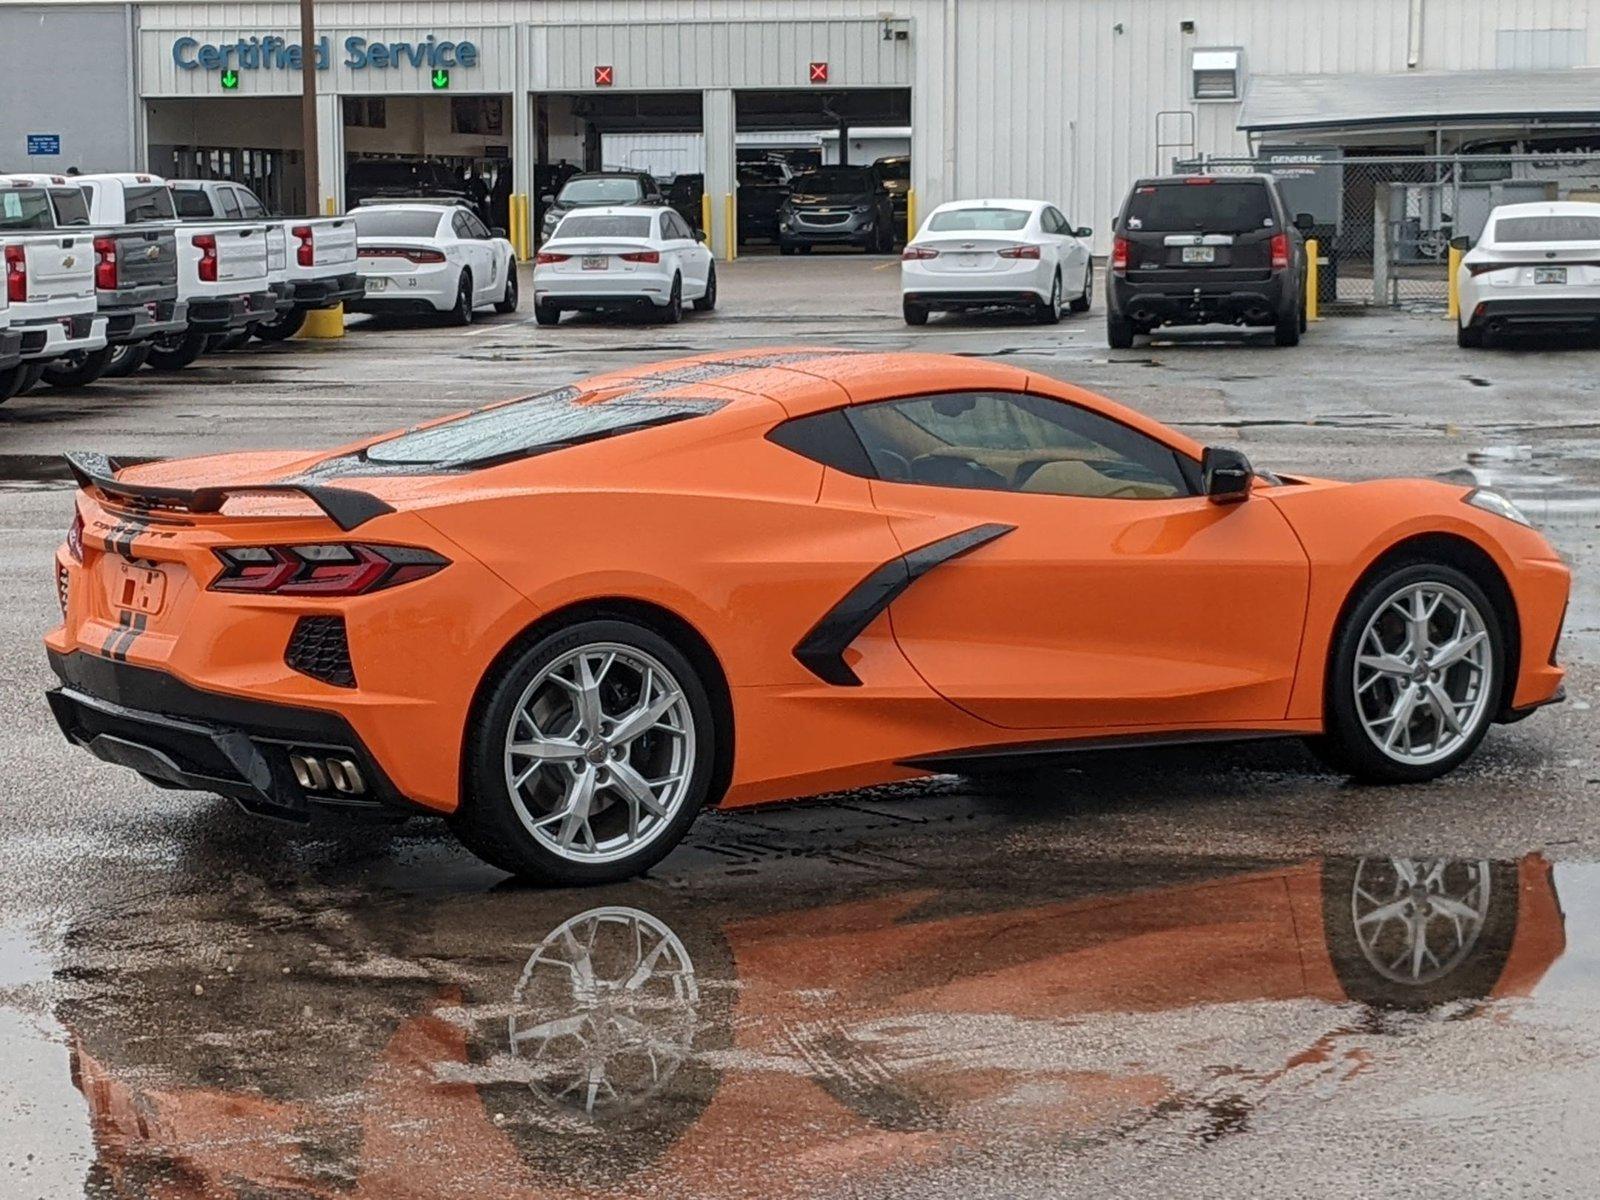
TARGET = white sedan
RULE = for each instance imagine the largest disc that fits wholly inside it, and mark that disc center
(432, 258)
(1536, 268)
(996, 253)
(623, 258)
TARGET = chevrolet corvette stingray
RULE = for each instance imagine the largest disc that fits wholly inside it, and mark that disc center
(569, 621)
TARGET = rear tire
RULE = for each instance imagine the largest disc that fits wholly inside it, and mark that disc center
(125, 360)
(176, 351)
(1287, 331)
(461, 313)
(11, 382)
(77, 370)
(1469, 337)
(508, 302)
(672, 312)
(708, 301)
(546, 314)
(915, 313)
(282, 327)
(1119, 332)
(513, 822)
(1049, 313)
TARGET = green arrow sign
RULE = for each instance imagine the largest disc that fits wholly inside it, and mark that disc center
(441, 80)
(230, 79)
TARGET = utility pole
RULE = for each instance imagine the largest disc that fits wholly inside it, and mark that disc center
(308, 105)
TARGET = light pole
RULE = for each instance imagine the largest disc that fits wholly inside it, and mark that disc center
(308, 105)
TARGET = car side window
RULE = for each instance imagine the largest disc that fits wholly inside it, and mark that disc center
(476, 228)
(1050, 221)
(1014, 442)
(230, 205)
(249, 205)
(459, 224)
(665, 223)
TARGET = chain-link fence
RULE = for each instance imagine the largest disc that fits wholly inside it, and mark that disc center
(1384, 225)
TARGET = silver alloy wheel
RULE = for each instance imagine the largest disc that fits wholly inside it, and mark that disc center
(600, 752)
(1416, 920)
(1423, 673)
(606, 1011)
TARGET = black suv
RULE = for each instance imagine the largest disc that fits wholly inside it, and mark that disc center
(594, 189)
(1206, 250)
(836, 206)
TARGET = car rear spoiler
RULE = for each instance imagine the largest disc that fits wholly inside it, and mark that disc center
(346, 507)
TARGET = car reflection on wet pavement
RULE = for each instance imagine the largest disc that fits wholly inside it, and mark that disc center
(516, 1043)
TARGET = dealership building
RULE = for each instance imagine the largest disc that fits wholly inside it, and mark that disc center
(1067, 100)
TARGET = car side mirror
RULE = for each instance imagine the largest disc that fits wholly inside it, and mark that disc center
(1082, 231)
(1226, 475)
(1115, 224)
(498, 231)
(1462, 243)
(1304, 222)
(700, 235)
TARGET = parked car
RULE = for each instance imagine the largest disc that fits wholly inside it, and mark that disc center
(833, 206)
(600, 189)
(763, 187)
(222, 268)
(319, 267)
(996, 253)
(135, 274)
(1206, 250)
(895, 171)
(51, 300)
(623, 258)
(1535, 269)
(375, 180)
(10, 339)
(858, 565)
(430, 257)
(684, 195)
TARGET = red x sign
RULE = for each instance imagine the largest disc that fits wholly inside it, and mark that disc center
(602, 77)
(819, 72)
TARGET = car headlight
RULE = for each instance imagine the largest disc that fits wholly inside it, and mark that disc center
(1495, 503)
(862, 208)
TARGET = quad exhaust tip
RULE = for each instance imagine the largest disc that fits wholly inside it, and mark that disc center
(330, 774)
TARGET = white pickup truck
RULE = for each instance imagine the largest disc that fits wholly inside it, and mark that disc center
(50, 301)
(222, 266)
(319, 268)
(10, 339)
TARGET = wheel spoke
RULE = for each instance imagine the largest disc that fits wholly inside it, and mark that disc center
(1457, 648)
(548, 749)
(1385, 664)
(647, 714)
(1445, 707)
(1399, 717)
(1387, 912)
(636, 789)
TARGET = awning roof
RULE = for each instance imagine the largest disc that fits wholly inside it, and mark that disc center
(1420, 98)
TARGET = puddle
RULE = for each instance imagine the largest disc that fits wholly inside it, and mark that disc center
(33, 473)
(634, 1041)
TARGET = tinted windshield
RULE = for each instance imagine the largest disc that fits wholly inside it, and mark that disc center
(523, 427)
(894, 168)
(978, 218)
(396, 222)
(25, 208)
(613, 190)
(833, 181)
(72, 207)
(191, 202)
(1215, 207)
(152, 203)
(383, 174)
(1547, 229)
(577, 226)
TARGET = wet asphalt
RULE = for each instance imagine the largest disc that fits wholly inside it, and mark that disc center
(1149, 973)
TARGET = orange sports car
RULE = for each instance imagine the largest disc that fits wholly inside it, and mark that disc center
(570, 620)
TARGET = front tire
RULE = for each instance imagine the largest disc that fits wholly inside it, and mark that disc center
(461, 311)
(508, 302)
(78, 370)
(1415, 675)
(708, 301)
(589, 756)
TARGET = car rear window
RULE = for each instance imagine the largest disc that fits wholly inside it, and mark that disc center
(25, 208)
(1212, 207)
(396, 222)
(978, 218)
(1547, 229)
(72, 207)
(191, 202)
(580, 226)
(536, 425)
(615, 190)
(149, 204)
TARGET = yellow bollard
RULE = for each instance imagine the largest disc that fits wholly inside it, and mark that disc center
(911, 213)
(732, 230)
(328, 207)
(519, 225)
(705, 215)
(1452, 308)
(323, 324)
(1313, 270)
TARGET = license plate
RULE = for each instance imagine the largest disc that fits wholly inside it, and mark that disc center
(1199, 254)
(596, 262)
(139, 589)
(1549, 275)
(377, 285)
(968, 260)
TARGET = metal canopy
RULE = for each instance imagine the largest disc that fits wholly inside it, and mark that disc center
(1433, 98)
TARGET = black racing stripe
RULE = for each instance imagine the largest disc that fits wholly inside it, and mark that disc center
(140, 622)
(109, 647)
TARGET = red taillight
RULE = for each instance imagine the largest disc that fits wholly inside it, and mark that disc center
(207, 245)
(1280, 252)
(416, 256)
(16, 275)
(305, 255)
(330, 569)
(105, 264)
(1119, 254)
(644, 256)
(1197, 179)
(1018, 252)
(1483, 268)
(913, 253)
(544, 259)
(75, 537)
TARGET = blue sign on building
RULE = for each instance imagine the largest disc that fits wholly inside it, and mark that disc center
(44, 143)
